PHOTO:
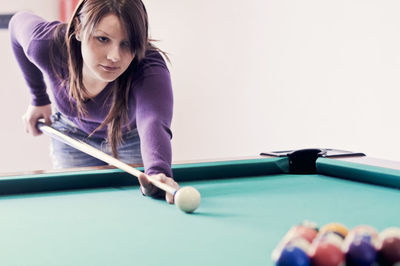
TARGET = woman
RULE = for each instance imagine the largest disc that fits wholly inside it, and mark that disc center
(110, 85)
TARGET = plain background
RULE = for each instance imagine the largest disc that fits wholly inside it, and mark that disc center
(252, 76)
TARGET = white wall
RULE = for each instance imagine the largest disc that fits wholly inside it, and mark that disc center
(19, 151)
(254, 76)
(259, 75)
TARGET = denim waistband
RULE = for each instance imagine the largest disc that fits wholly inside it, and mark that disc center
(60, 117)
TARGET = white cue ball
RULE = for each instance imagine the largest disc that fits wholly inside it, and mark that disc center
(187, 199)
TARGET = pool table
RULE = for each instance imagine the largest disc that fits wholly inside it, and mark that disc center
(97, 216)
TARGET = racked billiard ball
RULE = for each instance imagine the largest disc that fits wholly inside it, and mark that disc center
(336, 228)
(389, 253)
(326, 250)
(360, 251)
(295, 253)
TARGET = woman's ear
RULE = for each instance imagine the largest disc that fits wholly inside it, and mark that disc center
(78, 32)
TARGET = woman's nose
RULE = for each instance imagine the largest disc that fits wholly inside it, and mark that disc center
(114, 54)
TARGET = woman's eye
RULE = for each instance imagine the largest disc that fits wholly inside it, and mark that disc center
(125, 44)
(102, 39)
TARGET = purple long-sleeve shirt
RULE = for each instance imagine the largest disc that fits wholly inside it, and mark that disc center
(150, 98)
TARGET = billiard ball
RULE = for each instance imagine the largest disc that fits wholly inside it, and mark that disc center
(326, 249)
(337, 228)
(365, 230)
(306, 232)
(297, 237)
(360, 251)
(294, 253)
(327, 254)
(389, 253)
(390, 232)
(361, 245)
(330, 237)
(187, 199)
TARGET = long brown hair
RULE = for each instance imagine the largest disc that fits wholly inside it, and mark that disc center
(86, 16)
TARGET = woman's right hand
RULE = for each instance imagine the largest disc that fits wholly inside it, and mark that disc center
(33, 114)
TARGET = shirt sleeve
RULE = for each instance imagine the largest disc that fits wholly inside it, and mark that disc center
(154, 108)
(30, 43)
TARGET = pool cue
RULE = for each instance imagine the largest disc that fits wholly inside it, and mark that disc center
(88, 149)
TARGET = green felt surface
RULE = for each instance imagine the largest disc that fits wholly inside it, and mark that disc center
(239, 221)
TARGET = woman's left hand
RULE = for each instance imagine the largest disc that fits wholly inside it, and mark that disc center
(150, 190)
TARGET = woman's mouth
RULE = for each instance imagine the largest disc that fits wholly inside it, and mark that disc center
(109, 68)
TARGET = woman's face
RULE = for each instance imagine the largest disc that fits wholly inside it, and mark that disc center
(106, 53)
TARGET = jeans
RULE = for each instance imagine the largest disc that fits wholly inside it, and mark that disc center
(65, 156)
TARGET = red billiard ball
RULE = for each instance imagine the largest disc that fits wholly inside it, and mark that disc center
(308, 233)
(327, 254)
(326, 250)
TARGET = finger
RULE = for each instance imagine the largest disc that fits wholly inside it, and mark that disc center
(47, 120)
(169, 181)
(32, 127)
(161, 177)
(144, 182)
(29, 128)
(146, 186)
(168, 196)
